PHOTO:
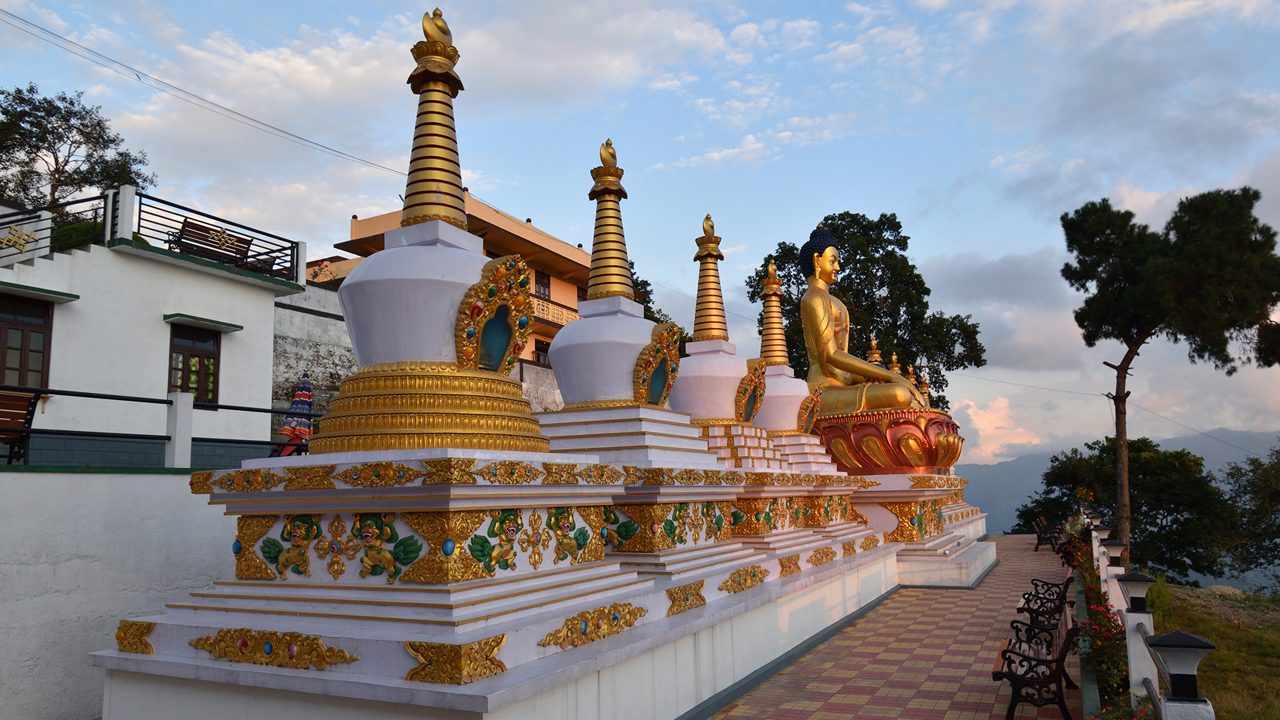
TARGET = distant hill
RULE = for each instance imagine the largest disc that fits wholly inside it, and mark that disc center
(1000, 488)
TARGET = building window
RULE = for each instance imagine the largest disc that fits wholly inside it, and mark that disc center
(193, 362)
(542, 352)
(24, 325)
(542, 284)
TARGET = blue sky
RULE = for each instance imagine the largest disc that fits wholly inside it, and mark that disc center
(978, 123)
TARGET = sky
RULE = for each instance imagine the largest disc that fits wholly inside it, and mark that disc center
(978, 123)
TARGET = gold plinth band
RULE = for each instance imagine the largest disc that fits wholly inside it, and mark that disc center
(416, 405)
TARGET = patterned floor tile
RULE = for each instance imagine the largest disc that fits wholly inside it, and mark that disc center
(923, 653)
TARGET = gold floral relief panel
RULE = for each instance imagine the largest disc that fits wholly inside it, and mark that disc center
(447, 558)
(456, 664)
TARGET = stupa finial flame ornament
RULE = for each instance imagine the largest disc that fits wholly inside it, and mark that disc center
(610, 267)
(434, 188)
(773, 341)
(708, 319)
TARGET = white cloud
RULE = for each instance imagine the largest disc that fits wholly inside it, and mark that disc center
(671, 81)
(750, 149)
(991, 429)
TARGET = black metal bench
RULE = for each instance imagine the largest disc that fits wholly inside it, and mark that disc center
(17, 412)
(1034, 659)
(1045, 534)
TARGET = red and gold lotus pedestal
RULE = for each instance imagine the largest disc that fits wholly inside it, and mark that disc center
(881, 442)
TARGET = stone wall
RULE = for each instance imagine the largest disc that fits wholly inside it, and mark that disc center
(311, 337)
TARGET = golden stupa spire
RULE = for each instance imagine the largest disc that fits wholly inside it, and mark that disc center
(911, 374)
(924, 387)
(708, 316)
(893, 363)
(434, 188)
(610, 269)
(873, 357)
(773, 342)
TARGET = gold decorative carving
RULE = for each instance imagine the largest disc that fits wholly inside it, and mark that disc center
(869, 542)
(929, 482)
(315, 477)
(651, 535)
(662, 354)
(509, 472)
(807, 413)
(248, 480)
(655, 476)
(757, 516)
(380, 474)
(601, 405)
(685, 597)
(744, 579)
(602, 475)
(132, 637)
(905, 530)
(591, 625)
(688, 477)
(249, 530)
(336, 547)
(560, 474)
(853, 515)
(268, 647)
(861, 482)
(822, 556)
(789, 565)
(200, 482)
(428, 217)
(456, 664)
(594, 518)
(849, 548)
(504, 283)
(534, 539)
(435, 528)
(449, 471)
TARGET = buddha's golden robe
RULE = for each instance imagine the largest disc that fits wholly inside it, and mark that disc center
(848, 384)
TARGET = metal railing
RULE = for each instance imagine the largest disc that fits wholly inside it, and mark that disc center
(26, 234)
(190, 232)
(43, 392)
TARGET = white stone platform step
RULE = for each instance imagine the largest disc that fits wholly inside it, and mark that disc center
(700, 560)
(938, 546)
(959, 569)
(422, 606)
(788, 542)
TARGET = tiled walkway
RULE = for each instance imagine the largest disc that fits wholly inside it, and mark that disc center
(921, 654)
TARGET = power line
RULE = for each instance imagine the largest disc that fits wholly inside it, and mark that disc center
(1199, 432)
(128, 71)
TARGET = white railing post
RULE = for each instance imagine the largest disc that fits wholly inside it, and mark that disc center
(300, 265)
(177, 450)
(126, 202)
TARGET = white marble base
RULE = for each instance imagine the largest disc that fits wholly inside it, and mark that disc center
(804, 453)
(637, 436)
(743, 447)
(953, 561)
(655, 671)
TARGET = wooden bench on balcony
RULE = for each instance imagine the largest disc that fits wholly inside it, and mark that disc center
(219, 245)
(17, 411)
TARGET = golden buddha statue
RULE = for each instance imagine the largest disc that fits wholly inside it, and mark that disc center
(848, 384)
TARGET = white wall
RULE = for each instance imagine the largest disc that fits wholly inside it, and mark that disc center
(114, 340)
(84, 551)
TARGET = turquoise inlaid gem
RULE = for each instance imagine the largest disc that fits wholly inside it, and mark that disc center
(447, 547)
(267, 648)
(657, 383)
(236, 547)
(523, 322)
(616, 617)
(749, 411)
(495, 338)
(471, 332)
(604, 533)
(582, 627)
(524, 281)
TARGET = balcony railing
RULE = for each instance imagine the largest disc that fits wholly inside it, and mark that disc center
(196, 234)
(26, 234)
(553, 312)
(147, 221)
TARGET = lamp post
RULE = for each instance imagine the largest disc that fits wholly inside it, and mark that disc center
(1115, 551)
(1180, 653)
(1135, 586)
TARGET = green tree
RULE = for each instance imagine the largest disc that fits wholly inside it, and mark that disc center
(52, 148)
(887, 298)
(1211, 279)
(1187, 521)
(1254, 488)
